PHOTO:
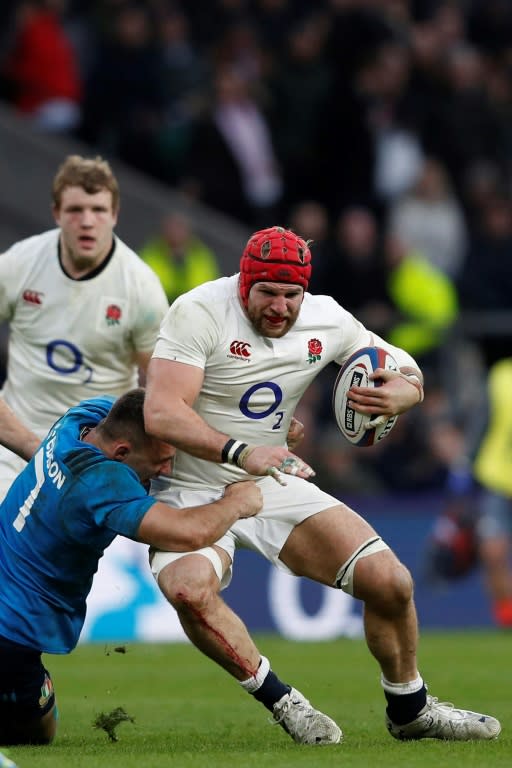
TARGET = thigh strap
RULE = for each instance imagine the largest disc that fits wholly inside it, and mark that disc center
(345, 577)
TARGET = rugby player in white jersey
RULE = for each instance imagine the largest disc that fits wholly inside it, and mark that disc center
(83, 308)
(232, 361)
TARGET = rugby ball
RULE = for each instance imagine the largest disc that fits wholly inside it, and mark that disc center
(356, 372)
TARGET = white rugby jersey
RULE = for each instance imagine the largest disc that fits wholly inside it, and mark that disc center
(252, 383)
(73, 339)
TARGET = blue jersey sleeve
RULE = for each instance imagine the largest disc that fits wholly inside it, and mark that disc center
(115, 498)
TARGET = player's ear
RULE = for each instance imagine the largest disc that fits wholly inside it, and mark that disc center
(121, 451)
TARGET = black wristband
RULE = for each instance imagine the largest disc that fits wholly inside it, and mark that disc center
(225, 451)
(232, 451)
(236, 453)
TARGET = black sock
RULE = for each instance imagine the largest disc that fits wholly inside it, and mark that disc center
(404, 709)
(271, 690)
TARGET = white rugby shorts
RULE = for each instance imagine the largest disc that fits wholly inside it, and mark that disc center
(284, 507)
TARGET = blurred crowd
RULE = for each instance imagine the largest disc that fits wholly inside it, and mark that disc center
(380, 129)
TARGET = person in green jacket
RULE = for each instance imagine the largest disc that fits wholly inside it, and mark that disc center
(180, 259)
(423, 295)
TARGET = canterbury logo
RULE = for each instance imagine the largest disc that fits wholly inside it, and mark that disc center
(240, 348)
(33, 297)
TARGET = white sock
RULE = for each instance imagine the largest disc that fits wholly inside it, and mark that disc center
(257, 680)
(401, 689)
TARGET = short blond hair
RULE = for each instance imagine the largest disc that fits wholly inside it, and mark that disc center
(91, 173)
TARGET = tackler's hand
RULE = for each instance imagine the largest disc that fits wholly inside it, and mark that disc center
(247, 496)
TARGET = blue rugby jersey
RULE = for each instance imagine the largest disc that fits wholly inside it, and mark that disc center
(58, 517)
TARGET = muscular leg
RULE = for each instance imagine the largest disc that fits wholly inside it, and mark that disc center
(391, 626)
(318, 548)
(192, 587)
(321, 544)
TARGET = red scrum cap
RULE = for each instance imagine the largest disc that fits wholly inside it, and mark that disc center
(274, 255)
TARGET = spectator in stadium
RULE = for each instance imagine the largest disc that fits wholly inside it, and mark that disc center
(425, 300)
(475, 527)
(299, 85)
(179, 257)
(430, 219)
(465, 127)
(491, 469)
(85, 485)
(367, 149)
(356, 274)
(83, 309)
(230, 160)
(185, 75)
(125, 100)
(233, 358)
(485, 286)
(311, 220)
(42, 69)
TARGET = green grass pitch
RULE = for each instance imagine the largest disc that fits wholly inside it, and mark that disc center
(188, 713)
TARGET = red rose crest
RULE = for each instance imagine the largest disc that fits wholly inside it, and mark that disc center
(315, 350)
(113, 314)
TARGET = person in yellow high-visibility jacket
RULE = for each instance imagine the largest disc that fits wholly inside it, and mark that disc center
(492, 468)
(425, 297)
(179, 257)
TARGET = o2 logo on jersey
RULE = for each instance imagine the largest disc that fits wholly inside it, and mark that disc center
(258, 390)
(65, 358)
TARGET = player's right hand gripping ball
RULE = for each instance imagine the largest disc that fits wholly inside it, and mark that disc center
(356, 372)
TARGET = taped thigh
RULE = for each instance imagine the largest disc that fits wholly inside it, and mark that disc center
(158, 559)
(345, 577)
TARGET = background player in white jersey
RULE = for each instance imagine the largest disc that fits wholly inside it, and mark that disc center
(84, 486)
(83, 308)
(230, 365)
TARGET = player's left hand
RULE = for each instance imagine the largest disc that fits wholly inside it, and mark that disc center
(276, 461)
(295, 434)
(395, 395)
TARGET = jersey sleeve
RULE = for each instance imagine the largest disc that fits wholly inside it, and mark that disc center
(115, 497)
(9, 277)
(355, 335)
(188, 334)
(153, 305)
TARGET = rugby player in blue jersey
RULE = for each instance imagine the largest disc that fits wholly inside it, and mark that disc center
(85, 484)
